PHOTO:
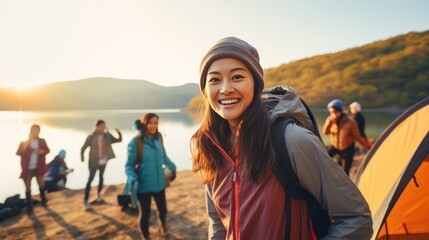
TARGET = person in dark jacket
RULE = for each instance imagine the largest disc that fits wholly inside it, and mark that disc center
(33, 156)
(56, 177)
(233, 152)
(100, 144)
(355, 110)
(149, 176)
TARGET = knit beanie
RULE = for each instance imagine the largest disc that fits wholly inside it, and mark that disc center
(336, 104)
(232, 47)
(62, 153)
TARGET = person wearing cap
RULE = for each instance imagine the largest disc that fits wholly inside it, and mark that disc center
(33, 156)
(344, 132)
(232, 150)
(56, 177)
(100, 151)
(147, 151)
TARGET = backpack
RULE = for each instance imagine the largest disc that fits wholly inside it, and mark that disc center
(139, 143)
(284, 172)
(12, 206)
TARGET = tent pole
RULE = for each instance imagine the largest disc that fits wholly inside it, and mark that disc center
(387, 231)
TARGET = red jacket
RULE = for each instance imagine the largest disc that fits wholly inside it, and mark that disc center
(25, 152)
(249, 210)
(261, 205)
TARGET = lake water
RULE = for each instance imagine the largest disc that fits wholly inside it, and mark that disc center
(68, 130)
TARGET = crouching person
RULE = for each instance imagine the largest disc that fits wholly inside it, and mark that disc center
(56, 177)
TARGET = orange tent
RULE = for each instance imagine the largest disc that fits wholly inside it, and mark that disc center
(394, 177)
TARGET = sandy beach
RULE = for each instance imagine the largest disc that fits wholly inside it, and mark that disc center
(64, 217)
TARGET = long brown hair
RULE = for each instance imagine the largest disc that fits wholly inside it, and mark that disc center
(255, 149)
(144, 121)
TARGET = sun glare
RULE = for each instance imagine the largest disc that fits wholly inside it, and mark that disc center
(21, 89)
(20, 117)
(18, 85)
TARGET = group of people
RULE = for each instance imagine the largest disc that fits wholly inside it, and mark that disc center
(50, 177)
(233, 152)
(345, 131)
(146, 150)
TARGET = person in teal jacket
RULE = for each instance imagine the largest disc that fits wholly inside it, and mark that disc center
(149, 175)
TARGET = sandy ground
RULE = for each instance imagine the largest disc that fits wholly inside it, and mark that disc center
(64, 217)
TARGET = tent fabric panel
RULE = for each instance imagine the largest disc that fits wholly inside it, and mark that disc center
(410, 214)
(423, 103)
(385, 168)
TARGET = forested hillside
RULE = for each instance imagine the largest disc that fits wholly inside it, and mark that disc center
(388, 73)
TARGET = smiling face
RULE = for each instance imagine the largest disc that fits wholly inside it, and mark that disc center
(229, 89)
(152, 125)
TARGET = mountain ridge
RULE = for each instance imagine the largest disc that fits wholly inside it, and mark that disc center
(98, 93)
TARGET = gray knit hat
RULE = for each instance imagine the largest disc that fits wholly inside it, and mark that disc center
(234, 48)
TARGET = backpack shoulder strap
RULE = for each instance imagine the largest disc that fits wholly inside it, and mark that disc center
(139, 143)
(283, 167)
(286, 175)
(284, 172)
(161, 138)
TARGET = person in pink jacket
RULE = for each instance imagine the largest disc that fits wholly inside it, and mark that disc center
(33, 152)
(233, 152)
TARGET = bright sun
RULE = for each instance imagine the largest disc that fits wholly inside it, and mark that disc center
(17, 85)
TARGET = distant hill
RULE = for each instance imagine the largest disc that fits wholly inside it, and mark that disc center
(388, 73)
(98, 93)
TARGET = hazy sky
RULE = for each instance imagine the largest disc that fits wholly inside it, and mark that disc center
(163, 41)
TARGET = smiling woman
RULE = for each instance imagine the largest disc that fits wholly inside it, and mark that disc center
(236, 153)
(229, 89)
